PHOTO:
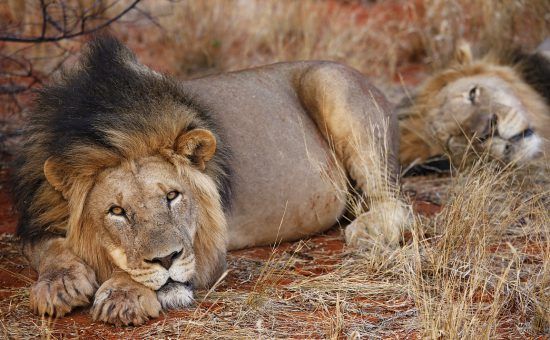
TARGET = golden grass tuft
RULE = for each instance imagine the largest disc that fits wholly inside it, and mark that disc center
(470, 272)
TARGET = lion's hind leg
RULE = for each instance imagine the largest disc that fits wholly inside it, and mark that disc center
(64, 280)
(356, 119)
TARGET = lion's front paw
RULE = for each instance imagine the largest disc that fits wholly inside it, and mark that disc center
(384, 223)
(125, 302)
(62, 287)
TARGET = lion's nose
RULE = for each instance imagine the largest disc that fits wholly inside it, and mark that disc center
(166, 261)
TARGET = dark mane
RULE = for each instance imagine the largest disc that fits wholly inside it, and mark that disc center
(109, 91)
(533, 67)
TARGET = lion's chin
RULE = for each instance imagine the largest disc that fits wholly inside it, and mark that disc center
(175, 295)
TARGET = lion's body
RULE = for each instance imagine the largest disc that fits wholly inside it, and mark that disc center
(284, 162)
(246, 158)
(495, 104)
(277, 162)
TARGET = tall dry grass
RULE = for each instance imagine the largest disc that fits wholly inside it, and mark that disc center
(219, 35)
(469, 274)
(212, 36)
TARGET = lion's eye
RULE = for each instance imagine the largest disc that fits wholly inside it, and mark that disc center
(472, 95)
(116, 210)
(172, 195)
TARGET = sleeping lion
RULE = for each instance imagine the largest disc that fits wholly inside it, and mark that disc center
(132, 186)
(498, 106)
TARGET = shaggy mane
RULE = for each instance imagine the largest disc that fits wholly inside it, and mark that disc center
(110, 108)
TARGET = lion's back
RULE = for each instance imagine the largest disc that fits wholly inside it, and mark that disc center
(280, 158)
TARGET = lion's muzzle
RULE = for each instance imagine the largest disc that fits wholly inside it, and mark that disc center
(166, 261)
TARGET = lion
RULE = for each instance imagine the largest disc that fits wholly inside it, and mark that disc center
(133, 186)
(497, 106)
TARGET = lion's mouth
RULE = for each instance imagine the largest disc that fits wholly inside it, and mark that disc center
(172, 284)
(523, 134)
(175, 294)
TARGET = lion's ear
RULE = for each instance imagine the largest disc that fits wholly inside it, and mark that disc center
(463, 53)
(198, 145)
(54, 173)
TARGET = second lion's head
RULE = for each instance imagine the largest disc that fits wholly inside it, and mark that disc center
(476, 105)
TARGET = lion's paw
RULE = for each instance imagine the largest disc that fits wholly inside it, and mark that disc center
(62, 287)
(124, 302)
(384, 224)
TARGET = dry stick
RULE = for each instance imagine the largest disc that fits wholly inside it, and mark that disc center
(65, 35)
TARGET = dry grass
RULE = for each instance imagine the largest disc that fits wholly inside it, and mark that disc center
(211, 36)
(479, 269)
(220, 35)
(482, 263)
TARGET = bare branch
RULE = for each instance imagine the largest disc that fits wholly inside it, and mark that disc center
(12, 89)
(26, 66)
(65, 34)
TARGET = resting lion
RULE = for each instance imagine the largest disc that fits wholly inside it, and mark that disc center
(499, 106)
(133, 186)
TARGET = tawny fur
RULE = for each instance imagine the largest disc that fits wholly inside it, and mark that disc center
(335, 123)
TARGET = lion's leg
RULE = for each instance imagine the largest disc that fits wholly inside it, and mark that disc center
(123, 301)
(64, 280)
(357, 121)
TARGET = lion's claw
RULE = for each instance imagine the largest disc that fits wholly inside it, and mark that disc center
(122, 302)
(60, 289)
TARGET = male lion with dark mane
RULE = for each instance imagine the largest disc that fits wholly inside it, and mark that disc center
(133, 186)
(498, 105)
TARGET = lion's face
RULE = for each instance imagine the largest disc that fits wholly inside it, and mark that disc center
(146, 219)
(155, 213)
(485, 112)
